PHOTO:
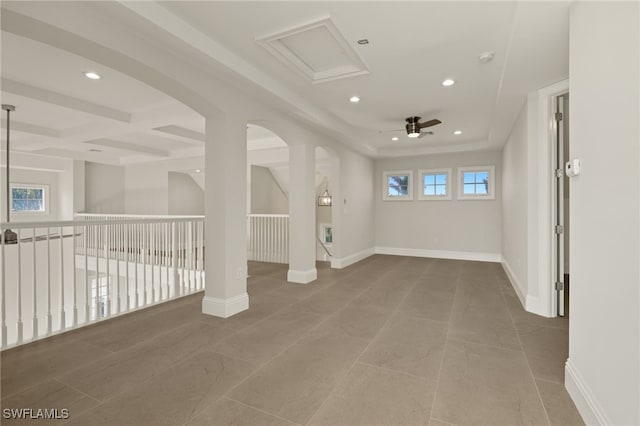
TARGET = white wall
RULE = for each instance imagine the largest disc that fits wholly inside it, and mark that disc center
(266, 195)
(353, 208)
(514, 204)
(603, 371)
(104, 188)
(146, 189)
(445, 228)
(185, 195)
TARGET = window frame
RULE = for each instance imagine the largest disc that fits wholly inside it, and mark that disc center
(449, 186)
(385, 185)
(45, 195)
(491, 192)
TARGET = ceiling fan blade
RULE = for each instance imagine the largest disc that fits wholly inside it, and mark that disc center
(423, 134)
(389, 131)
(430, 123)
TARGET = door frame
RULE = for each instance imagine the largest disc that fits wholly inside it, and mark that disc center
(557, 206)
(547, 128)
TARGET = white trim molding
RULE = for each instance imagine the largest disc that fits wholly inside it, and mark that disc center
(448, 185)
(343, 262)
(491, 183)
(385, 185)
(302, 277)
(224, 308)
(517, 286)
(585, 401)
(440, 254)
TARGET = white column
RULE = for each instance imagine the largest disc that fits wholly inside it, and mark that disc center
(225, 216)
(302, 212)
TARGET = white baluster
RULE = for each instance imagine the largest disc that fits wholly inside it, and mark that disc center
(49, 318)
(63, 315)
(118, 249)
(87, 296)
(35, 290)
(75, 291)
(107, 246)
(136, 245)
(152, 261)
(3, 320)
(144, 264)
(126, 260)
(97, 281)
(19, 307)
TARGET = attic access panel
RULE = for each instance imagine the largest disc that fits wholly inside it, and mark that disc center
(317, 51)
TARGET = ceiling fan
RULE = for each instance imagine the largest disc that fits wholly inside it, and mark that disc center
(414, 127)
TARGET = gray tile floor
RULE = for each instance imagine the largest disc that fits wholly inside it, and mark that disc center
(390, 340)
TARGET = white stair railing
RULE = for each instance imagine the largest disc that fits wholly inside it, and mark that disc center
(268, 238)
(63, 275)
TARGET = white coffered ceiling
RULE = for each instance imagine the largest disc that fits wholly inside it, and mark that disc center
(412, 47)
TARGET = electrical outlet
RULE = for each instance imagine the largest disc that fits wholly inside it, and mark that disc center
(239, 273)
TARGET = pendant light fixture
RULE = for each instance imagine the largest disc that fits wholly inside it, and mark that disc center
(9, 236)
(324, 200)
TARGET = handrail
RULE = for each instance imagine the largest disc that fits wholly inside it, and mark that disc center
(323, 246)
(135, 216)
(267, 215)
(79, 223)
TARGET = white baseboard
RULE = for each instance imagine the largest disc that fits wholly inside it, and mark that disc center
(529, 303)
(224, 308)
(517, 287)
(343, 262)
(440, 254)
(587, 405)
(302, 277)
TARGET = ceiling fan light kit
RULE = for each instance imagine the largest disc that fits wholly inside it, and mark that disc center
(414, 127)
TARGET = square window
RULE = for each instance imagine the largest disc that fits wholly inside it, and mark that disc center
(397, 185)
(476, 183)
(28, 198)
(436, 184)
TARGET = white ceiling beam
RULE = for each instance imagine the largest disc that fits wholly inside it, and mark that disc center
(127, 146)
(140, 122)
(181, 132)
(96, 157)
(54, 98)
(33, 129)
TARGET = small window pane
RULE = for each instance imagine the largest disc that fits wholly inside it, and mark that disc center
(441, 179)
(27, 199)
(398, 185)
(469, 188)
(441, 190)
(481, 189)
(430, 190)
(429, 179)
(469, 177)
(482, 176)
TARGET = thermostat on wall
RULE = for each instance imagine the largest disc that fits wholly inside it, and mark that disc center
(572, 168)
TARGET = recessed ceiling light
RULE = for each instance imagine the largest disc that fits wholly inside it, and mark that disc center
(395, 138)
(198, 170)
(363, 41)
(457, 132)
(92, 75)
(448, 82)
(354, 99)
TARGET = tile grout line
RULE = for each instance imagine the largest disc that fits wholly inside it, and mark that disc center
(257, 409)
(444, 349)
(526, 357)
(387, 321)
(253, 373)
